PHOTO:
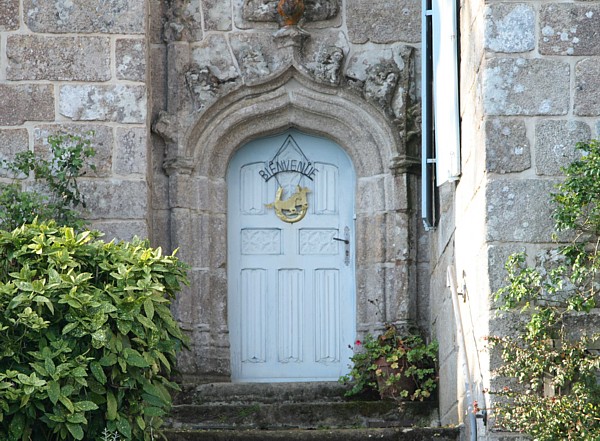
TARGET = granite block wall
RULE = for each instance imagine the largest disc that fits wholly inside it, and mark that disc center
(76, 66)
(528, 95)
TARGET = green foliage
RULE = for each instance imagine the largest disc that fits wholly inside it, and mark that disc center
(577, 200)
(557, 395)
(394, 365)
(87, 340)
(56, 195)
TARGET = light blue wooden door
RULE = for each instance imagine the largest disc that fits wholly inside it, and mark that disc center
(291, 284)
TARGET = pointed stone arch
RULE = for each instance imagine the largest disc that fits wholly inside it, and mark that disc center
(197, 166)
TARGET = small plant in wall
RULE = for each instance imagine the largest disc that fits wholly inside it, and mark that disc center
(393, 364)
(553, 357)
(54, 193)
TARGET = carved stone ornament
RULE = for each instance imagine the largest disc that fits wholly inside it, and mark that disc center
(202, 85)
(328, 64)
(291, 11)
(253, 62)
(177, 21)
(266, 10)
(381, 83)
(166, 127)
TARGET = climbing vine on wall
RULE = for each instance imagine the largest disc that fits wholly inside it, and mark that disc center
(553, 358)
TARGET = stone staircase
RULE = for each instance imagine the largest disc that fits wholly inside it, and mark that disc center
(297, 411)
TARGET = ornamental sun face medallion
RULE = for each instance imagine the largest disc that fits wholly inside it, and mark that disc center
(289, 167)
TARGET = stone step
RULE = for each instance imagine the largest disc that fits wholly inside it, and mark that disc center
(399, 434)
(301, 415)
(289, 406)
(262, 393)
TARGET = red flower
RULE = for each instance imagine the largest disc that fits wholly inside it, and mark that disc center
(358, 343)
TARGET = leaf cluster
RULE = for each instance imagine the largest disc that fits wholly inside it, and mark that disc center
(87, 340)
(410, 366)
(56, 194)
(554, 363)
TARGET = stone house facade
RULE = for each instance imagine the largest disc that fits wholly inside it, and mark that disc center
(176, 90)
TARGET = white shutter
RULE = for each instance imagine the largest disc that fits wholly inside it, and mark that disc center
(445, 90)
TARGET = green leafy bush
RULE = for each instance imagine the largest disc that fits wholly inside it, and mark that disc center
(555, 365)
(397, 366)
(87, 340)
(56, 194)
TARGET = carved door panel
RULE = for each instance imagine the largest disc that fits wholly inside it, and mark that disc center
(291, 282)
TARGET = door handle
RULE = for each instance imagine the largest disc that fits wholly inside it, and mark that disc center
(346, 241)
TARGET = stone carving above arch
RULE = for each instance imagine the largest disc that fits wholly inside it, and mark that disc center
(328, 64)
(291, 100)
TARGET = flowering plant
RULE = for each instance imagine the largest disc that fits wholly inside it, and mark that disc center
(393, 365)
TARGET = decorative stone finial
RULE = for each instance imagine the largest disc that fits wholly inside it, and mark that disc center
(290, 34)
(291, 11)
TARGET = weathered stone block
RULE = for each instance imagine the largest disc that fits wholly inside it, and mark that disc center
(370, 295)
(12, 141)
(120, 103)
(63, 16)
(157, 74)
(371, 235)
(510, 28)
(257, 55)
(396, 192)
(217, 242)
(497, 256)
(519, 210)
(9, 15)
(115, 199)
(194, 228)
(131, 59)
(122, 230)
(102, 142)
(27, 102)
(383, 21)
(569, 29)
(518, 86)
(130, 153)
(33, 57)
(555, 144)
(371, 195)
(587, 87)
(157, 21)
(217, 15)
(400, 307)
(213, 52)
(507, 146)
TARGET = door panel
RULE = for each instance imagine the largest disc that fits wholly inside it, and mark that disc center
(291, 292)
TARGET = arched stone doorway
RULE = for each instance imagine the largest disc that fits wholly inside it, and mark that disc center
(290, 259)
(197, 165)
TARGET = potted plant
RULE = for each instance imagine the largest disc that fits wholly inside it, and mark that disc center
(395, 365)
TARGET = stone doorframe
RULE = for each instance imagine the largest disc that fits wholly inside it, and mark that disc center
(385, 225)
